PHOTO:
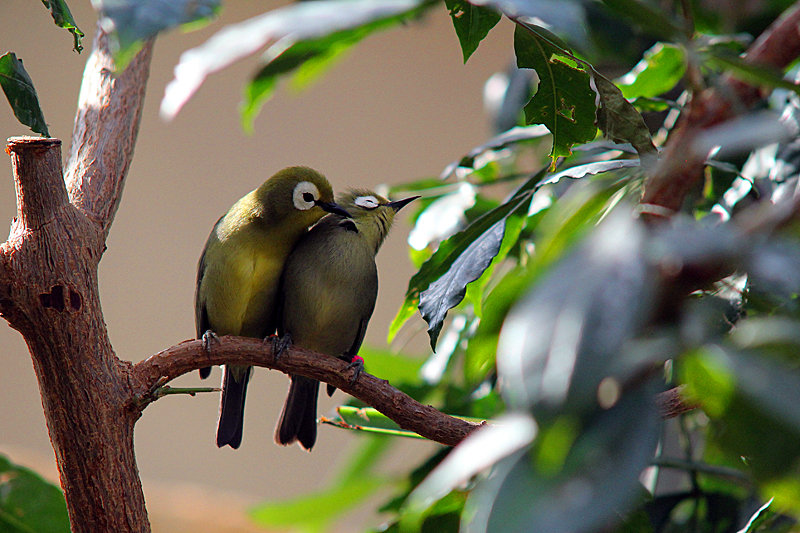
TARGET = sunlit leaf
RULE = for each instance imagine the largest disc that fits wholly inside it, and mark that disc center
(21, 94)
(134, 21)
(63, 19)
(661, 68)
(478, 243)
(28, 503)
(479, 451)
(304, 27)
(513, 136)
(472, 24)
(564, 100)
(394, 367)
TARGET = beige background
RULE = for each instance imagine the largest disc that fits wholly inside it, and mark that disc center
(399, 107)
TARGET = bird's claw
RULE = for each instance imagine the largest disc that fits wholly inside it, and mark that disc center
(209, 337)
(280, 344)
(357, 366)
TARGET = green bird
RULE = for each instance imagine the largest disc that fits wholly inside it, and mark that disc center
(240, 269)
(328, 292)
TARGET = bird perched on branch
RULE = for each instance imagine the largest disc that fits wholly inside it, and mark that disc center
(240, 269)
(329, 287)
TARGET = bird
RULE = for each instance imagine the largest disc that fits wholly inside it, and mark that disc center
(328, 293)
(239, 272)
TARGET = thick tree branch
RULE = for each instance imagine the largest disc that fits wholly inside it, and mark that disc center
(681, 166)
(51, 260)
(408, 413)
(106, 127)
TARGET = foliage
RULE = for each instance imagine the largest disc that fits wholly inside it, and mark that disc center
(21, 94)
(28, 503)
(551, 307)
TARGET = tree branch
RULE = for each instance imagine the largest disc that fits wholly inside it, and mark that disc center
(680, 166)
(408, 413)
(156, 371)
(106, 127)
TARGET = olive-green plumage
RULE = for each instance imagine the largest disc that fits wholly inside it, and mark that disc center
(240, 268)
(329, 287)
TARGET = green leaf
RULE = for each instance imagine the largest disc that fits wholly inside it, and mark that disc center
(749, 72)
(476, 291)
(63, 19)
(21, 94)
(394, 367)
(564, 101)
(472, 24)
(135, 21)
(595, 301)
(759, 518)
(485, 231)
(660, 69)
(621, 122)
(604, 463)
(293, 34)
(317, 512)
(369, 420)
(28, 503)
(507, 138)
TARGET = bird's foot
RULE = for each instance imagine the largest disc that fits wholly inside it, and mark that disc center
(280, 344)
(357, 366)
(209, 337)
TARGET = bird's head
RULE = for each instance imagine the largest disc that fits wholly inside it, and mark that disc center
(371, 215)
(298, 194)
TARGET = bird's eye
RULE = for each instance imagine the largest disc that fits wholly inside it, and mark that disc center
(305, 195)
(367, 202)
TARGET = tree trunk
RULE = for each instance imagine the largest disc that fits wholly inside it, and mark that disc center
(51, 297)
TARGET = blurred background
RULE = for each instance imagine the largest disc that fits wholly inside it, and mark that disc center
(398, 107)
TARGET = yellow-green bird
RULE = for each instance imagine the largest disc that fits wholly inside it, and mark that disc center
(329, 287)
(240, 270)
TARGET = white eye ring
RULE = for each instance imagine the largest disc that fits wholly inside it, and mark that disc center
(367, 202)
(302, 192)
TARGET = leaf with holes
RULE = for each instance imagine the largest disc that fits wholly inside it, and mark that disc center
(564, 101)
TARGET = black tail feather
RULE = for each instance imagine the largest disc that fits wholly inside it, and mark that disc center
(298, 421)
(231, 407)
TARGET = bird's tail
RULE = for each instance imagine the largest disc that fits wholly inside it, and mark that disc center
(298, 421)
(231, 406)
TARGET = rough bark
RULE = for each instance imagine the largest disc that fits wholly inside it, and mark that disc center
(50, 278)
(104, 135)
(49, 292)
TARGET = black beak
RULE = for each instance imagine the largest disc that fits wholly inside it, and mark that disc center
(397, 205)
(331, 207)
